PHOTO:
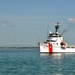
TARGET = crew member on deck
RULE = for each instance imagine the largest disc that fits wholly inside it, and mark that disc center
(63, 43)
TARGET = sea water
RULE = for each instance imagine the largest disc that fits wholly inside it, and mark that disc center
(31, 62)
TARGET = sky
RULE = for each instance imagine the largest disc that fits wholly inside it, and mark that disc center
(26, 22)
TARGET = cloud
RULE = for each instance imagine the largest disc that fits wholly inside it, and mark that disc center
(71, 19)
(6, 23)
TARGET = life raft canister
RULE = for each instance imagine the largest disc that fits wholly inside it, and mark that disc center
(50, 48)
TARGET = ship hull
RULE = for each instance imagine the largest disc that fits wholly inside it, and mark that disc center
(47, 48)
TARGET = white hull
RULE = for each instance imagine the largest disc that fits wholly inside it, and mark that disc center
(44, 48)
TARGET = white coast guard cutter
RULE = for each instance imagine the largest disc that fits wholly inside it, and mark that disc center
(55, 43)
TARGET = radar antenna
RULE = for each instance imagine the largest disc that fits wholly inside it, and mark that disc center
(57, 27)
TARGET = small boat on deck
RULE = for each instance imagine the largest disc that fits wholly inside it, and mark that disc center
(55, 43)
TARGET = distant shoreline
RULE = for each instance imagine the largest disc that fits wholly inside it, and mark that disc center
(19, 48)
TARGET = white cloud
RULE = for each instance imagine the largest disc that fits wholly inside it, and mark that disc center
(71, 19)
(6, 23)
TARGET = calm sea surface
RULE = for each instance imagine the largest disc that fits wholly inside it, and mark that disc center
(31, 62)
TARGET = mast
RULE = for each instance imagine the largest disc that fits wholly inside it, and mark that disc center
(57, 27)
